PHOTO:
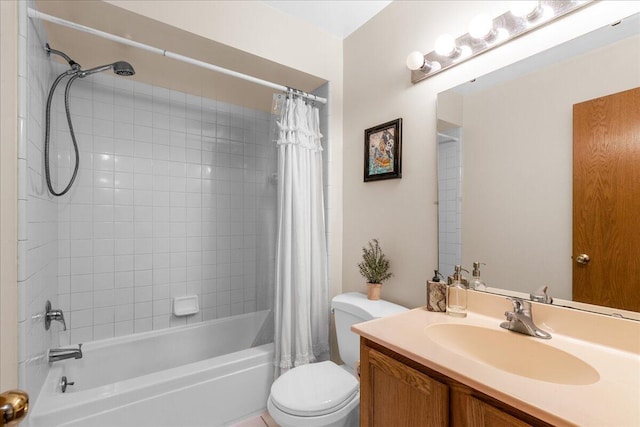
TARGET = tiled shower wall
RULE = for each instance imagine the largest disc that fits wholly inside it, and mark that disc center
(168, 202)
(449, 201)
(37, 210)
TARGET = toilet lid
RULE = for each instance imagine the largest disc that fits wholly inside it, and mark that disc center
(314, 389)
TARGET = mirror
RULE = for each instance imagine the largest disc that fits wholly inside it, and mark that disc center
(505, 161)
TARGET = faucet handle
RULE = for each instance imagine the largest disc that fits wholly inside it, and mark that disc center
(53, 315)
(517, 303)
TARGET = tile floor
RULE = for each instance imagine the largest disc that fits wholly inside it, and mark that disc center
(262, 420)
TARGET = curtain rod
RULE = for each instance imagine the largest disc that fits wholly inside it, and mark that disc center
(50, 18)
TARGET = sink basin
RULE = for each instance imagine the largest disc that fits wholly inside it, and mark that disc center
(512, 352)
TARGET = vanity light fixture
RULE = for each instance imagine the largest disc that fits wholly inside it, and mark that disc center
(528, 10)
(416, 61)
(481, 27)
(446, 46)
(486, 33)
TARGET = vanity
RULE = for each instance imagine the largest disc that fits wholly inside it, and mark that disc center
(421, 368)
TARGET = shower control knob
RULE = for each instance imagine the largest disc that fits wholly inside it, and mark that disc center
(64, 383)
(583, 259)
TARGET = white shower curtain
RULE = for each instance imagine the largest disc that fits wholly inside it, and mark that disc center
(301, 295)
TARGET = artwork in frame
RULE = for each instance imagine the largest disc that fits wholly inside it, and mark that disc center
(383, 151)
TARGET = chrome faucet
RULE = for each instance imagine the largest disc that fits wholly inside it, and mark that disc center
(56, 354)
(521, 320)
(540, 295)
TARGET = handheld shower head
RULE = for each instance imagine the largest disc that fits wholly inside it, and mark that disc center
(121, 68)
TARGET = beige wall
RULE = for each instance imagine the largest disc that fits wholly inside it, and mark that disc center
(525, 140)
(264, 31)
(402, 212)
(8, 195)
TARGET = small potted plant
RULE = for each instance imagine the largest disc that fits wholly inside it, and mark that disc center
(375, 268)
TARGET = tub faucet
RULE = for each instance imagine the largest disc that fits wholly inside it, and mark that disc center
(56, 354)
(521, 320)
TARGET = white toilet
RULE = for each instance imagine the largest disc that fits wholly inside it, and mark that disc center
(325, 394)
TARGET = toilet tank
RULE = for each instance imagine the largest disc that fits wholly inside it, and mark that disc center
(351, 308)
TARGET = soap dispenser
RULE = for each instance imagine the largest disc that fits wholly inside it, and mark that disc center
(457, 274)
(436, 293)
(476, 282)
(457, 295)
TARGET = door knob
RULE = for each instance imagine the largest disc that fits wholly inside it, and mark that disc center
(14, 405)
(583, 259)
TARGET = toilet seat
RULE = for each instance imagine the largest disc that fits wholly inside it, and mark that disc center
(313, 390)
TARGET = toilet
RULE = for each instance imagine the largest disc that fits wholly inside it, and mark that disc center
(325, 394)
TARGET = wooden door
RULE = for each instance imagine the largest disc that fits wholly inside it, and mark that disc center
(606, 200)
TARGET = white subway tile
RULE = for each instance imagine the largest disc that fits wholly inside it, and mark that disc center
(123, 263)
(162, 307)
(124, 147)
(143, 261)
(103, 331)
(103, 264)
(124, 246)
(123, 197)
(143, 310)
(143, 245)
(143, 118)
(123, 328)
(103, 196)
(103, 281)
(102, 316)
(81, 283)
(103, 298)
(143, 325)
(143, 294)
(81, 301)
(123, 279)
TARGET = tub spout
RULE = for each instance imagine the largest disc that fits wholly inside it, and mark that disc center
(56, 354)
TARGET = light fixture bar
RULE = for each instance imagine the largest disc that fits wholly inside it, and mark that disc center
(506, 27)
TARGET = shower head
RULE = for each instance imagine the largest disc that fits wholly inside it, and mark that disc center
(121, 68)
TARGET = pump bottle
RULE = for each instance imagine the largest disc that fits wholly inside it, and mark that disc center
(436, 293)
(457, 295)
(476, 282)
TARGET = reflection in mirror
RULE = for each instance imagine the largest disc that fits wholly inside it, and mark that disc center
(505, 152)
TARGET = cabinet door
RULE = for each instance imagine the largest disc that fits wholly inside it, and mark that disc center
(471, 412)
(393, 394)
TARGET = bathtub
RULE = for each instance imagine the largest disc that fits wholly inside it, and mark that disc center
(206, 374)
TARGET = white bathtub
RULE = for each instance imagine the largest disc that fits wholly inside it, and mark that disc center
(206, 374)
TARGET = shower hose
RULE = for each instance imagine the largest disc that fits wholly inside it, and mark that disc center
(47, 136)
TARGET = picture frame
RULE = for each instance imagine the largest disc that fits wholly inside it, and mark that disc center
(383, 151)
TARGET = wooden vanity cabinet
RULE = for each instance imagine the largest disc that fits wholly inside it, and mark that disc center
(396, 391)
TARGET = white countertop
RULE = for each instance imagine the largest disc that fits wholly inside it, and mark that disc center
(613, 400)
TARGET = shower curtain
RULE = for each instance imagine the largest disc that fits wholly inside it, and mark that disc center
(301, 293)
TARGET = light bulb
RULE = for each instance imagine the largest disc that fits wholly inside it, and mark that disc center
(524, 8)
(446, 45)
(415, 60)
(481, 27)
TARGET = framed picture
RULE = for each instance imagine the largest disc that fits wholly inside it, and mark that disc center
(383, 151)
